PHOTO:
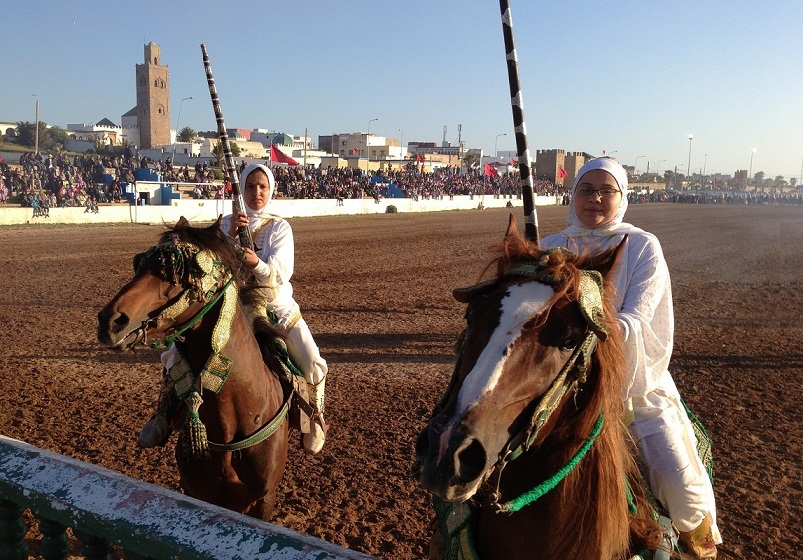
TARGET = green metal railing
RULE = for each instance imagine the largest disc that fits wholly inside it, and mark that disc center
(104, 508)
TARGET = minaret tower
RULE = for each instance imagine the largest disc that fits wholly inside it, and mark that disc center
(153, 99)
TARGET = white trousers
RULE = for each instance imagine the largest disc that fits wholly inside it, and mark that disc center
(305, 353)
(677, 477)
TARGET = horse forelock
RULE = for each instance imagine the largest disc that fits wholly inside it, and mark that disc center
(209, 239)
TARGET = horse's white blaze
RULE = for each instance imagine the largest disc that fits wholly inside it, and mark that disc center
(520, 304)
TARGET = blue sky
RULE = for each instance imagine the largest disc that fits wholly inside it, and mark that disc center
(634, 78)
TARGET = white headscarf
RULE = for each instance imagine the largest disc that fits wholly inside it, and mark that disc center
(613, 227)
(256, 216)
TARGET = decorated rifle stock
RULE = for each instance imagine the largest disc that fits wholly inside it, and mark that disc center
(243, 233)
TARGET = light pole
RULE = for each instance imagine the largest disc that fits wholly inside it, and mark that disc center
(688, 166)
(495, 143)
(367, 136)
(750, 173)
(658, 167)
(401, 145)
(800, 182)
(705, 162)
(36, 130)
(635, 166)
(178, 120)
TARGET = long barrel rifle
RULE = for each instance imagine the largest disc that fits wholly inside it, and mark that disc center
(519, 126)
(243, 233)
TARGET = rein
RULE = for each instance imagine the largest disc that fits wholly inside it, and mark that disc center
(550, 483)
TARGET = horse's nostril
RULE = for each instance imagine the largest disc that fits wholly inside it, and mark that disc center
(471, 460)
(121, 321)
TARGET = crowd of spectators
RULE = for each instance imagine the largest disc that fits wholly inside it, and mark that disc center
(346, 183)
(43, 182)
(720, 197)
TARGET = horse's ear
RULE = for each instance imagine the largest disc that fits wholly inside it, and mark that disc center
(465, 295)
(217, 223)
(512, 227)
(610, 259)
(182, 223)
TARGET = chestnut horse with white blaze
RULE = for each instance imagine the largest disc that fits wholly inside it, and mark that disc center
(526, 454)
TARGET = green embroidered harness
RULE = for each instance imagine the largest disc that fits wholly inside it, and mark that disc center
(209, 281)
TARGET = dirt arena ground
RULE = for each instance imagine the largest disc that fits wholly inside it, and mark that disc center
(376, 293)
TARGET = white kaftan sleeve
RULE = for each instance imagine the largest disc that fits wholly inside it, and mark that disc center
(646, 314)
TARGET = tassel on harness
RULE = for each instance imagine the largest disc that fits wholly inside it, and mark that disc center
(196, 445)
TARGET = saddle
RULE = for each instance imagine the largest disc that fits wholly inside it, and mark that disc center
(277, 358)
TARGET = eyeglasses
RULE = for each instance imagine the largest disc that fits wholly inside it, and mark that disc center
(588, 192)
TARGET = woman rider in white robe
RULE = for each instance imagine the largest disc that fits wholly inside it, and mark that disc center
(659, 423)
(273, 268)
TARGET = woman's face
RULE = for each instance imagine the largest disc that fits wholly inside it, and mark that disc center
(257, 189)
(600, 206)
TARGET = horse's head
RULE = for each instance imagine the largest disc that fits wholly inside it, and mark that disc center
(172, 280)
(524, 356)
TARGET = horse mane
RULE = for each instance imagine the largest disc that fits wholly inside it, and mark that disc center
(214, 240)
(595, 495)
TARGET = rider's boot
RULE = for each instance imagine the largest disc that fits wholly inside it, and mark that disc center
(314, 440)
(157, 430)
(700, 541)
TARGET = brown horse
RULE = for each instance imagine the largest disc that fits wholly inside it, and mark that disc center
(526, 453)
(186, 288)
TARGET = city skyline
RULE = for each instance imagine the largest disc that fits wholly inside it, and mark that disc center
(632, 80)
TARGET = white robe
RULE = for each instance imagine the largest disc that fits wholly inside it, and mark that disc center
(277, 253)
(659, 422)
(644, 303)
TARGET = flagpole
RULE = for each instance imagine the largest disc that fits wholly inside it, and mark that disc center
(519, 126)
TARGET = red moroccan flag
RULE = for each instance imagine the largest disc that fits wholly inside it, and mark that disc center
(490, 170)
(277, 156)
(562, 173)
(419, 157)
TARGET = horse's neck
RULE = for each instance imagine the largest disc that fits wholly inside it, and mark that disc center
(553, 523)
(249, 378)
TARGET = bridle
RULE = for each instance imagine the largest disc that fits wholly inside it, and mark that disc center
(207, 279)
(569, 380)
